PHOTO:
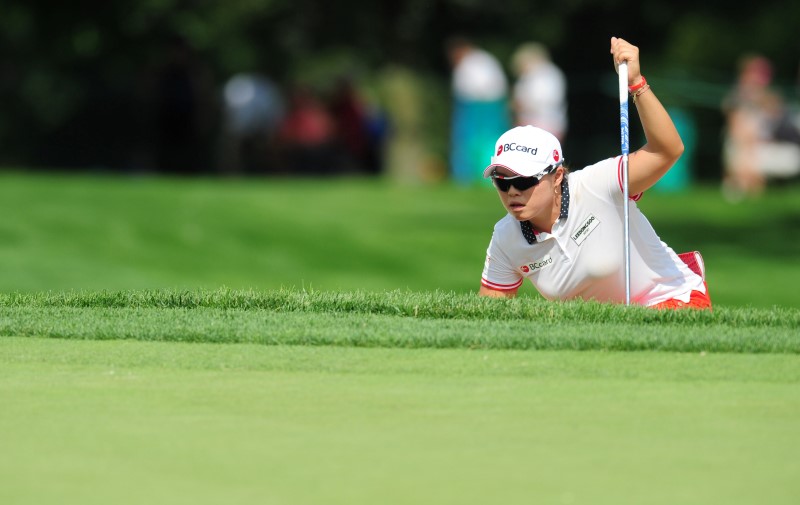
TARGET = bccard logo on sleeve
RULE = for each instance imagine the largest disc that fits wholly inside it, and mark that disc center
(533, 266)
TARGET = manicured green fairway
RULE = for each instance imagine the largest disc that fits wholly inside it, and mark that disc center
(133, 422)
(357, 398)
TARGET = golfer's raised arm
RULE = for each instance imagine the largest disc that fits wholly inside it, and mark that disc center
(664, 145)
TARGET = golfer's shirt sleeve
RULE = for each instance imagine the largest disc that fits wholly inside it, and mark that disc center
(605, 179)
(621, 180)
(498, 274)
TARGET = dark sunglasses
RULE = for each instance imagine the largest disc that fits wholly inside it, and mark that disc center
(504, 183)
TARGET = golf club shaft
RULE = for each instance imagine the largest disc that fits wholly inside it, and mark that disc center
(623, 123)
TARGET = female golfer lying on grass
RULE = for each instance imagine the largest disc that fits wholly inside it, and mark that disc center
(564, 231)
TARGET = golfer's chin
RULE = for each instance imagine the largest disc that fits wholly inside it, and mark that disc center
(519, 213)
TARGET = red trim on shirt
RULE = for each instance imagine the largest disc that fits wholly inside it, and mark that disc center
(635, 197)
(500, 287)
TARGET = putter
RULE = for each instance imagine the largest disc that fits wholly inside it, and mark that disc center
(623, 124)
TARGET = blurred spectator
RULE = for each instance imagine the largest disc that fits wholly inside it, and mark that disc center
(480, 108)
(760, 140)
(404, 148)
(352, 126)
(254, 108)
(184, 109)
(307, 136)
(377, 133)
(539, 97)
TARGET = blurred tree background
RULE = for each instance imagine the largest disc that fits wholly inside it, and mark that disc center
(76, 79)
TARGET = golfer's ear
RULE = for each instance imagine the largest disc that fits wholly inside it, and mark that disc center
(560, 173)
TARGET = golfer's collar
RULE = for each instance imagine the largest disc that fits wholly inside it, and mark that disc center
(527, 228)
(564, 214)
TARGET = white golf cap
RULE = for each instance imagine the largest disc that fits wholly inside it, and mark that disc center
(526, 151)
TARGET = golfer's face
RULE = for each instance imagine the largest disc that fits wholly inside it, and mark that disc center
(529, 203)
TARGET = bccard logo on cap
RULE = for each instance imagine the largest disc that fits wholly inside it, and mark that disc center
(513, 146)
(525, 150)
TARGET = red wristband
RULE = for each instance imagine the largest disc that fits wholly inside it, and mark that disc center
(639, 86)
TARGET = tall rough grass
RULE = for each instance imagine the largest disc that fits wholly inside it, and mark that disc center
(393, 319)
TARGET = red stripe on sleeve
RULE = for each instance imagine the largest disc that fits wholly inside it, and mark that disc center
(635, 197)
(500, 287)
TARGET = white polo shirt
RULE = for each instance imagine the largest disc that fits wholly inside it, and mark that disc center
(583, 256)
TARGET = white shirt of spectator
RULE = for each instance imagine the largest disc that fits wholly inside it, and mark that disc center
(583, 256)
(541, 95)
(479, 77)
